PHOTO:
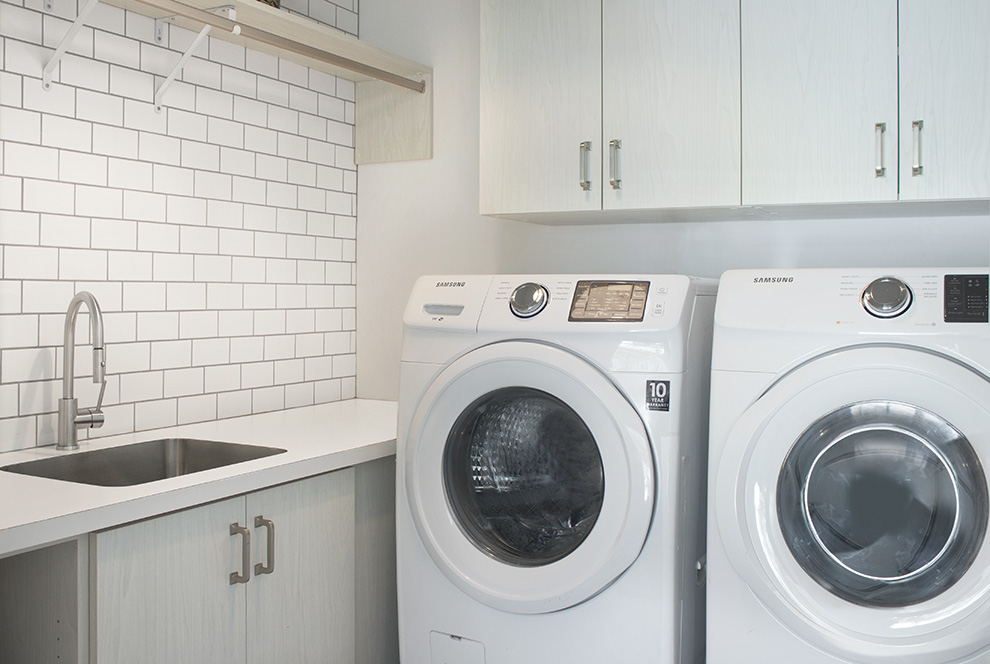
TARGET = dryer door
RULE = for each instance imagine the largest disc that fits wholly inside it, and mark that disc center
(529, 477)
(852, 499)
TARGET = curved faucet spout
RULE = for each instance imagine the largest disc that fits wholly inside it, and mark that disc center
(70, 416)
(69, 338)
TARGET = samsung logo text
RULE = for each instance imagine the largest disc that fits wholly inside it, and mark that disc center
(450, 284)
(772, 280)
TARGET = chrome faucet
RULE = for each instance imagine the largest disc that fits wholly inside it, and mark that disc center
(70, 416)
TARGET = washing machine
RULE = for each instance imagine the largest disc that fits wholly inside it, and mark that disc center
(551, 467)
(848, 498)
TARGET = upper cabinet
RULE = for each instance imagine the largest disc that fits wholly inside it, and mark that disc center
(819, 109)
(945, 99)
(621, 104)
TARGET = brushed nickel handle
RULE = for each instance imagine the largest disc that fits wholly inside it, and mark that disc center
(245, 574)
(881, 129)
(583, 156)
(614, 176)
(269, 566)
(916, 167)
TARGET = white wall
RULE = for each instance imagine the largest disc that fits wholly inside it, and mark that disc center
(218, 236)
(421, 217)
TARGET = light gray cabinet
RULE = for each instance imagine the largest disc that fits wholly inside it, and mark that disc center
(608, 105)
(944, 97)
(166, 590)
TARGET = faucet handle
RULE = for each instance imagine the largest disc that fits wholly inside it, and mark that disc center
(99, 401)
(99, 367)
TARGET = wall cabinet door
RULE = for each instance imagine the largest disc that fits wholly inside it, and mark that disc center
(945, 97)
(671, 96)
(540, 101)
(819, 101)
(161, 589)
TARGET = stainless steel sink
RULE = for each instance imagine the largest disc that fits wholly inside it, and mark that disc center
(139, 463)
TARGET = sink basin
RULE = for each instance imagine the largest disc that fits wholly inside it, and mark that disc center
(139, 463)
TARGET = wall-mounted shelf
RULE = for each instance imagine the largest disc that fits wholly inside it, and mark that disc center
(394, 108)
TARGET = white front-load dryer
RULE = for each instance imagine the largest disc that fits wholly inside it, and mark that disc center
(551, 468)
(848, 496)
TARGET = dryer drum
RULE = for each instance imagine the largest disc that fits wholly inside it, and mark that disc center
(523, 476)
(883, 503)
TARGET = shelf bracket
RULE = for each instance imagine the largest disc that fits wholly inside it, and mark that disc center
(46, 74)
(203, 34)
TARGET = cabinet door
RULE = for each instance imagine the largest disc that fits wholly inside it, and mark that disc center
(540, 100)
(303, 611)
(945, 85)
(160, 589)
(671, 96)
(817, 79)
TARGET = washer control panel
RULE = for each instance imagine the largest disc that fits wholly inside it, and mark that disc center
(528, 299)
(886, 297)
(609, 301)
(966, 298)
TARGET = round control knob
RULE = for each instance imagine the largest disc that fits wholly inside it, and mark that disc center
(886, 297)
(528, 300)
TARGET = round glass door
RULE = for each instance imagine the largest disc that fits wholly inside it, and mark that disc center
(883, 503)
(523, 476)
(529, 477)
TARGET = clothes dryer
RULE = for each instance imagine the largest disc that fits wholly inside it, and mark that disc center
(850, 431)
(551, 468)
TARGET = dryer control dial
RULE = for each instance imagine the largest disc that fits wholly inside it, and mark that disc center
(528, 299)
(886, 297)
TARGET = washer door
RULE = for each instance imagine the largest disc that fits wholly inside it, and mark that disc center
(529, 477)
(851, 498)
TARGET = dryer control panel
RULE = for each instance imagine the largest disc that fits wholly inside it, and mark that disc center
(966, 299)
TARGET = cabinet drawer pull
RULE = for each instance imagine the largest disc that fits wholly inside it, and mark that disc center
(269, 567)
(583, 156)
(916, 167)
(245, 574)
(614, 176)
(881, 129)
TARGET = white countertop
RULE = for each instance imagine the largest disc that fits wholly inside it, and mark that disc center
(318, 439)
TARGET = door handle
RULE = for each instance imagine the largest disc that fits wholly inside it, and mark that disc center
(245, 574)
(269, 566)
(614, 176)
(584, 150)
(916, 167)
(881, 129)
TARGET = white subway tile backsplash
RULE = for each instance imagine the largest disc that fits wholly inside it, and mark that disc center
(20, 227)
(159, 149)
(144, 296)
(30, 161)
(155, 414)
(84, 73)
(206, 231)
(82, 264)
(223, 378)
(115, 141)
(225, 132)
(99, 201)
(114, 234)
(143, 206)
(30, 263)
(16, 124)
(82, 168)
(197, 409)
(157, 325)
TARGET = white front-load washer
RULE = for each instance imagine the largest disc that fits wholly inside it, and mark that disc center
(550, 469)
(848, 497)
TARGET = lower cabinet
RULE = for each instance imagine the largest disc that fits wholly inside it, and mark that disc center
(262, 578)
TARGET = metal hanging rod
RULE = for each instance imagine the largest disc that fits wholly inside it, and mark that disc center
(255, 34)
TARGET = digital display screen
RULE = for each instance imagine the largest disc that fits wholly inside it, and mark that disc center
(609, 301)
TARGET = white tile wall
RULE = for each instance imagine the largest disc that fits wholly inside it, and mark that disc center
(218, 235)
